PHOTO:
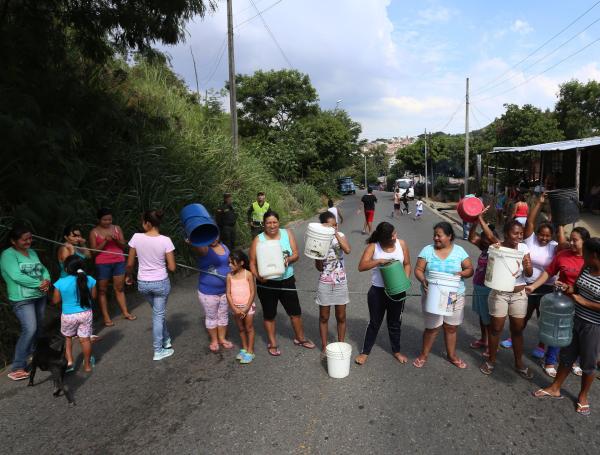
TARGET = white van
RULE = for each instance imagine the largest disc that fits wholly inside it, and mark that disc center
(406, 185)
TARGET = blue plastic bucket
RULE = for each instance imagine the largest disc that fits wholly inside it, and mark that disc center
(199, 227)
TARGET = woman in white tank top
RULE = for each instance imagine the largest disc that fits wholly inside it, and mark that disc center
(383, 246)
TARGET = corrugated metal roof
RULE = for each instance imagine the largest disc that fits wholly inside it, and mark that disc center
(552, 146)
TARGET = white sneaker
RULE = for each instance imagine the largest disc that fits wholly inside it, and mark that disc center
(163, 353)
(167, 344)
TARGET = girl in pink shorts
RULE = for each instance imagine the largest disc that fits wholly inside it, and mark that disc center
(240, 297)
(75, 292)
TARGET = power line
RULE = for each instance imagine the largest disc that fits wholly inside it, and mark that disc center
(545, 71)
(256, 15)
(451, 117)
(216, 67)
(272, 35)
(479, 110)
(537, 49)
(476, 119)
(540, 59)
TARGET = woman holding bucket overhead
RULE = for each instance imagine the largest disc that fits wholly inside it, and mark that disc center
(281, 288)
(513, 302)
(384, 248)
(441, 268)
(333, 285)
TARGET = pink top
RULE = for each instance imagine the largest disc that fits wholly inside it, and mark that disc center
(110, 248)
(522, 210)
(151, 251)
(240, 291)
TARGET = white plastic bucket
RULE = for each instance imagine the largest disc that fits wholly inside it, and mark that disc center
(503, 267)
(441, 292)
(338, 359)
(317, 240)
(269, 259)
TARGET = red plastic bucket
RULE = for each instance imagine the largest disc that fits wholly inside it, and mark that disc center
(469, 208)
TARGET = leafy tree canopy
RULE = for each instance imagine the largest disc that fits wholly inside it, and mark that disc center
(578, 109)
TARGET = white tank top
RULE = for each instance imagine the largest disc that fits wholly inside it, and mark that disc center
(398, 254)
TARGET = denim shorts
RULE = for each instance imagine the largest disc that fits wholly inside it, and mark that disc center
(107, 271)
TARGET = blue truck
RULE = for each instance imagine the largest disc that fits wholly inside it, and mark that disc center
(346, 185)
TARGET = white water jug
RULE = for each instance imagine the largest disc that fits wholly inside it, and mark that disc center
(269, 258)
(503, 267)
(317, 240)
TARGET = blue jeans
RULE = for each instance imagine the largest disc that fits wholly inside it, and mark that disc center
(30, 314)
(157, 294)
(551, 355)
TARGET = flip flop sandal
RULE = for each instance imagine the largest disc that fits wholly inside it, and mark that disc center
(476, 344)
(305, 344)
(487, 368)
(109, 324)
(214, 347)
(226, 344)
(541, 393)
(273, 350)
(458, 363)
(419, 363)
(70, 368)
(362, 360)
(576, 370)
(131, 317)
(525, 373)
(18, 375)
(550, 371)
(583, 409)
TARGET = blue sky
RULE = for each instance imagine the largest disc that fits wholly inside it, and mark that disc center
(400, 66)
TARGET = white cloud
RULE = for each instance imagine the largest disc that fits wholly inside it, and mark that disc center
(413, 105)
(522, 27)
(435, 14)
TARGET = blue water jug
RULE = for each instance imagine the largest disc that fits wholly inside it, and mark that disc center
(556, 319)
(200, 228)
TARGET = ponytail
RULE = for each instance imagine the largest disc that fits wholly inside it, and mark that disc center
(382, 234)
(74, 266)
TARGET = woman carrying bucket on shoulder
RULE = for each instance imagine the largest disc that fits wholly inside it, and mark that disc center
(384, 247)
(282, 289)
(510, 303)
(443, 257)
(480, 291)
(567, 264)
(333, 285)
(541, 250)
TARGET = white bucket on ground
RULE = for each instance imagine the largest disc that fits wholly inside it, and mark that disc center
(317, 240)
(504, 265)
(441, 292)
(269, 259)
(338, 359)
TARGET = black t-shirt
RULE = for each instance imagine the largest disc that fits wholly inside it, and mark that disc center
(369, 201)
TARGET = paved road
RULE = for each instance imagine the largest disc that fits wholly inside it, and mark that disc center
(199, 402)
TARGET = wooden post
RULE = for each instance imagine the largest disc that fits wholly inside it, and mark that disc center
(577, 170)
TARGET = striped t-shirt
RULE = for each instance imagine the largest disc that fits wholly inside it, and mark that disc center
(588, 286)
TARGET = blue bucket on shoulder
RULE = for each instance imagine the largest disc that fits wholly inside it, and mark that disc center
(199, 227)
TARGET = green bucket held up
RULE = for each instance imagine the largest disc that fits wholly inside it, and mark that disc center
(395, 280)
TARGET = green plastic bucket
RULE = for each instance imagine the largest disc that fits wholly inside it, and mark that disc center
(395, 280)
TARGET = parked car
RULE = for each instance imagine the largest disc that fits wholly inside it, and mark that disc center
(406, 185)
(346, 185)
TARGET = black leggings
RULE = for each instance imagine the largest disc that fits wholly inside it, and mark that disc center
(379, 303)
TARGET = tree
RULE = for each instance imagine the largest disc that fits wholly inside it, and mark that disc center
(526, 125)
(273, 100)
(578, 109)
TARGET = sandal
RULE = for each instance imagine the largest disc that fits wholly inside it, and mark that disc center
(487, 368)
(361, 359)
(419, 362)
(273, 350)
(109, 324)
(305, 344)
(214, 347)
(18, 375)
(541, 393)
(550, 371)
(130, 317)
(576, 370)
(70, 368)
(583, 409)
(459, 363)
(476, 344)
(524, 373)
(226, 344)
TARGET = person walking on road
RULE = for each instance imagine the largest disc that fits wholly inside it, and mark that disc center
(337, 212)
(510, 303)
(397, 200)
(155, 256)
(282, 289)
(256, 213)
(332, 289)
(27, 284)
(369, 200)
(383, 246)
(418, 209)
(213, 262)
(405, 203)
(226, 218)
(110, 263)
(241, 290)
(447, 257)
(585, 344)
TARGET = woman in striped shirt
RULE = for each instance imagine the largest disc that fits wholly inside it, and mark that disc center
(586, 329)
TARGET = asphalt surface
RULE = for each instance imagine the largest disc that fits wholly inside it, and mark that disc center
(200, 402)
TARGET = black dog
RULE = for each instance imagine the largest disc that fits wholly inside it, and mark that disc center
(49, 353)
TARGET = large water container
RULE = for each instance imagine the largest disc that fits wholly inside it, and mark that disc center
(504, 265)
(200, 228)
(269, 259)
(556, 319)
(318, 240)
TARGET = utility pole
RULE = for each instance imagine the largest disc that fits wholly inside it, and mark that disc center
(196, 74)
(426, 190)
(467, 141)
(366, 185)
(232, 95)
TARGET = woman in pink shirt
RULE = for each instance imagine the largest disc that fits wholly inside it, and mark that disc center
(110, 263)
(155, 255)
